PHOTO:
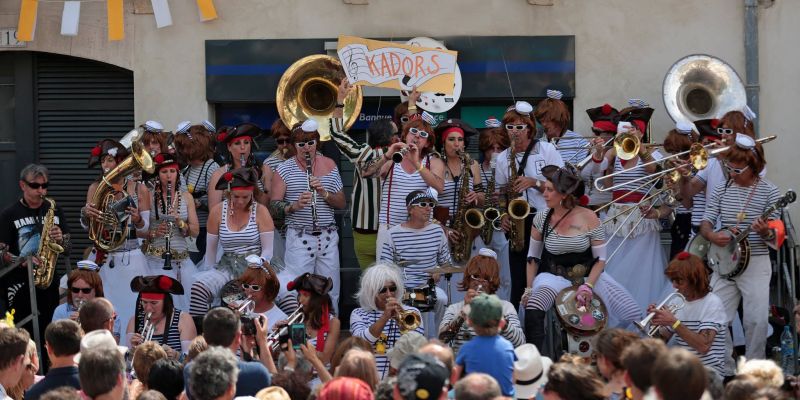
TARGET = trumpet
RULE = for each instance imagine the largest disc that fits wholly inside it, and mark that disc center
(148, 328)
(398, 156)
(247, 306)
(407, 320)
(646, 325)
(274, 336)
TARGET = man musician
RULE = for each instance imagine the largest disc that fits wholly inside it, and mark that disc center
(21, 230)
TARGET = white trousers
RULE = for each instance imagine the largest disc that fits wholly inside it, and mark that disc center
(752, 288)
(117, 282)
(315, 254)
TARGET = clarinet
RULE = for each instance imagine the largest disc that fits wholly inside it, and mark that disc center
(167, 256)
(241, 161)
(314, 217)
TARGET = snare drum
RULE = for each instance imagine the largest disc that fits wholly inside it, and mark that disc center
(422, 298)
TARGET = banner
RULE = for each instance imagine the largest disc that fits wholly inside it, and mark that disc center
(27, 20)
(398, 66)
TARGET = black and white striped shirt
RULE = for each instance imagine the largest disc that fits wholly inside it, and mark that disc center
(297, 183)
(360, 321)
(272, 162)
(572, 147)
(557, 244)
(704, 314)
(698, 207)
(728, 199)
(197, 178)
(428, 247)
(397, 185)
(513, 330)
(246, 241)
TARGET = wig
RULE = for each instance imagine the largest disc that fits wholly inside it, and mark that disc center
(553, 110)
(197, 144)
(267, 279)
(423, 126)
(484, 267)
(373, 280)
(690, 268)
(90, 277)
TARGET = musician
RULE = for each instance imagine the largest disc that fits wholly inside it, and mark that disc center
(154, 138)
(738, 204)
(83, 284)
(419, 170)
(311, 236)
(379, 296)
(126, 262)
(419, 243)
(481, 275)
(567, 247)
(701, 325)
(283, 151)
(404, 112)
(242, 227)
(322, 325)
(553, 114)
(195, 151)
(173, 217)
(365, 200)
(259, 282)
(639, 259)
(491, 143)
(604, 127)
(529, 155)
(20, 230)
(172, 327)
(237, 144)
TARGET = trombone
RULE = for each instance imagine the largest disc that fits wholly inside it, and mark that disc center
(698, 159)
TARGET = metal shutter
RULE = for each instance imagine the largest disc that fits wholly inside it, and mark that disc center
(77, 103)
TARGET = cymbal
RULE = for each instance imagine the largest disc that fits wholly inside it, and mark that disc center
(445, 269)
(405, 263)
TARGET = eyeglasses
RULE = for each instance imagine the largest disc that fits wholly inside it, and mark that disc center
(385, 289)
(725, 131)
(84, 290)
(737, 171)
(247, 286)
(282, 141)
(511, 127)
(417, 132)
(425, 204)
(308, 143)
(37, 185)
(477, 278)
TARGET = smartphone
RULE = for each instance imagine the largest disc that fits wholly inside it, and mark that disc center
(297, 332)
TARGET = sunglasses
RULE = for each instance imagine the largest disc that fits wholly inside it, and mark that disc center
(247, 286)
(417, 132)
(477, 278)
(736, 171)
(37, 185)
(308, 143)
(385, 289)
(725, 131)
(511, 127)
(282, 141)
(425, 204)
(85, 290)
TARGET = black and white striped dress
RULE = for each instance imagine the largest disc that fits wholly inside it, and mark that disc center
(297, 183)
(360, 321)
(397, 185)
(427, 246)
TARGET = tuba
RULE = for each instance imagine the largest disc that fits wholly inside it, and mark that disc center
(308, 89)
(48, 250)
(109, 231)
(468, 221)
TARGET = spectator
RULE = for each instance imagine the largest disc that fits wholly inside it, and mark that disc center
(62, 393)
(421, 376)
(213, 374)
(13, 358)
(344, 346)
(444, 354)
(679, 366)
(102, 371)
(407, 344)
(359, 364)
(530, 371)
(166, 376)
(572, 381)
(293, 383)
(98, 313)
(197, 346)
(477, 386)
(274, 393)
(345, 388)
(29, 375)
(144, 356)
(638, 359)
(609, 346)
(150, 395)
(765, 372)
(62, 341)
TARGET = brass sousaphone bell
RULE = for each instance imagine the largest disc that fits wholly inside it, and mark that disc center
(307, 90)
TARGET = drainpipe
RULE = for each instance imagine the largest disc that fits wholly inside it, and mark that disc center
(752, 86)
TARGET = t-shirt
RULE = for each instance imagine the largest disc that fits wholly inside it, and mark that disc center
(542, 154)
(702, 314)
(253, 376)
(55, 378)
(492, 355)
(21, 226)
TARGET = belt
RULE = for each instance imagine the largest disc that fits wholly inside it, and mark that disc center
(177, 255)
(310, 230)
(574, 274)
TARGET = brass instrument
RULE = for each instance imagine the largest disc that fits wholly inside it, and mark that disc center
(308, 90)
(646, 326)
(314, 216)
(48, 249)
(698, 159)
(148, 328)
(518, 207)
(274, 336)
(167, 256)
(407, 320)
(109, 231)
(491, 212)
(450, 332)
(468, 221)
(78, 307)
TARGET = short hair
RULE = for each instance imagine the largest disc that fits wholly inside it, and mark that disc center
(753, 158)
(360, 364)
(423, 126)
(441, 351)
(553, 110)
(372, 281)
(267, 279)
(212, 373)
(100, 370)
(62, 393)
(380, 131)
(92, 278)
(145, 355)
(574, 381)
(477, 386)
(679, 365)
(166, 376)
(95, 313)
(766, 372)
(691, 269)
(353, 342)
(742, 387)
(197, 346)
(63, 337)
(611, 342)
(676, 142)
(638, 359)
(151, 394)
(293, 383)
(511, 116)
(493, 136)
(484, 266)
(220, 326)
(13, 343)
(33, 171)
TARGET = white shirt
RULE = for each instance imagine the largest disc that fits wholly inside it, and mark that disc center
(541, 155)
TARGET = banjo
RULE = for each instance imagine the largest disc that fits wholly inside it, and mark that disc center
(731, 260)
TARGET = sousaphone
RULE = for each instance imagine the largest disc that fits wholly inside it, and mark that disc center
(307, 90)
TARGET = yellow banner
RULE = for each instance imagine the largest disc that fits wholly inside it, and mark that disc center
(207, 10)
(116, 24)
(27, 20)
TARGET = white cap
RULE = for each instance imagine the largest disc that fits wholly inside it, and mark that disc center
(209, 125)
(253, 259)
(745, 142)
(684, 127)
(487, 253)
(87, 264)
(309, 126)
(523, 107)
(183, 127)
(433, 193)
(429, 118)
(99, 338)
(153, 126)
(748, 113)
(493, 122)
(113, 151)
(554, 94)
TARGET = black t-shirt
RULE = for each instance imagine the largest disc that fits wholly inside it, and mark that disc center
(55, 378)
(21, 226)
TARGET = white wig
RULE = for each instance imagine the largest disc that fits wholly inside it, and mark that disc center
(372, 281)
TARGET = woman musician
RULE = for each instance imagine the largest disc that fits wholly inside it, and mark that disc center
(238, 147)
(567, 247)
(260, 284)
(604, 127)
(379, 296)
(83, 284)
(170, 325)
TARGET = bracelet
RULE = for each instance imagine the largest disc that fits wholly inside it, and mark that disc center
(326, 195)
(421, 167)
(676, 324)
(589, 285)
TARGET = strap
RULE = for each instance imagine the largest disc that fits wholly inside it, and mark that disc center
(521, 166)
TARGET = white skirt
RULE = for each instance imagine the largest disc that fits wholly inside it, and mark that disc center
(117, 282)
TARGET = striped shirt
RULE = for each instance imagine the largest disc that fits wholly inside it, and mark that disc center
(452, 186)
(698, 207)
(729, 199)
(364, 200)
(197, 178)
(245, 241)
(397, 185)
(426, 247)
(360, 321)
(512, 332)
(557, 244)
(297, 183)
(703, 314)
(567, 147)
(173, 339)
(273, 161)
(541, 155)
(627, 175)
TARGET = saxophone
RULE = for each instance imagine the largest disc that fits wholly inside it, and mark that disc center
(468, 221)
(491, 212)
(48, 249)
(518, 208)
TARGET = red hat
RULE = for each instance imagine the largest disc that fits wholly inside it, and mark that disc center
(156, 284)
(603, 118)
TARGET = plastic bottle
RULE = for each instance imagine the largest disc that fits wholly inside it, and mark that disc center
(787, 351)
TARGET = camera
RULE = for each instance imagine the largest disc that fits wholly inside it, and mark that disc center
(249, 324)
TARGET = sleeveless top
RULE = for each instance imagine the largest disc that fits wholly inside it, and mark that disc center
(177, 242)
(197, 179)
(629, 175)
(395, 187)
(452, 187)
(245, 241)
(297, 183)
(565, 250)
(173, 336)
